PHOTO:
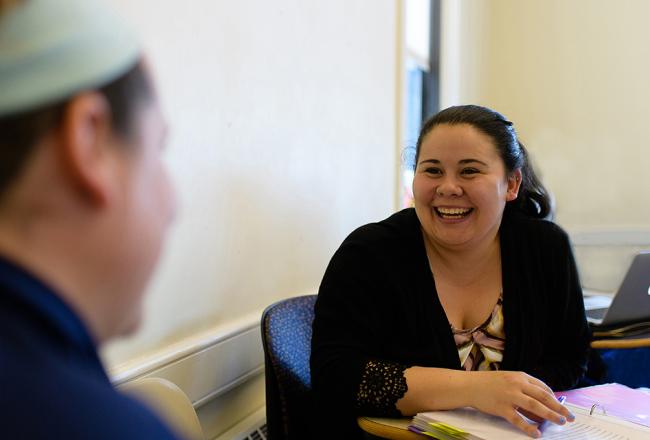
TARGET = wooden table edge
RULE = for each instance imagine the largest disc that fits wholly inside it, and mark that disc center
(386, 431)
(621, 343)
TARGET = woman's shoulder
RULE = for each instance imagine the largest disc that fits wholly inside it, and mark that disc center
(389, 245)
(400, 228)
(526, 228)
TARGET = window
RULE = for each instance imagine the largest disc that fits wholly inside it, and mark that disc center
(421, 77)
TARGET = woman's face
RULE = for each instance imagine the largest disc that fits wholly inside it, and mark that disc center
(460, 186)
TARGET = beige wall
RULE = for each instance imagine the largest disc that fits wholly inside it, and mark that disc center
(283, 135)
(283, 127)
(574, 77)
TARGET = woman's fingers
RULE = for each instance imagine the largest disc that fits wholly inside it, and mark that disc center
(536, 407)
(539, 383)
(519, 422)
(531, 416)
(551, 403)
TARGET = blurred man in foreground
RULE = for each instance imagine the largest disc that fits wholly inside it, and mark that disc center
(85, 203)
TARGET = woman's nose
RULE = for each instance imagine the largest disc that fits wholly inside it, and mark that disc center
(449, 187)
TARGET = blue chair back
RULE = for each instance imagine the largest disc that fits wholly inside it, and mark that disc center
(286, 336)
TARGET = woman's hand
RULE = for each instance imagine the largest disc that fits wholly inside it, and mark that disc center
(509, 394)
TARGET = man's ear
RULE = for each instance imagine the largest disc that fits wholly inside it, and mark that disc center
(85, 147)
(514, 183)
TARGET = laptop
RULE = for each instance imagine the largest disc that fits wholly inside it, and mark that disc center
(632, 301)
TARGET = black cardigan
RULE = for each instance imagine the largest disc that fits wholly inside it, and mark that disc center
(378, 302)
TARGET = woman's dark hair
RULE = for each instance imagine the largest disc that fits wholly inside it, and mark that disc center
(533, 199)
(19, 133)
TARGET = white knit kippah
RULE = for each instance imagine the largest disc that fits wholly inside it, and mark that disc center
(52, 49)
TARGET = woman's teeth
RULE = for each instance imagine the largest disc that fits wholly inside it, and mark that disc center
(452, 212)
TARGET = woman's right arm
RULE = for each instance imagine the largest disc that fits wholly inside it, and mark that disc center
(500, 393)
(348, 378)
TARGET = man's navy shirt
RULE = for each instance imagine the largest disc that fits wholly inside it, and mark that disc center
(52, 383)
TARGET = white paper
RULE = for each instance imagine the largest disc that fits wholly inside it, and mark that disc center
(585, 427)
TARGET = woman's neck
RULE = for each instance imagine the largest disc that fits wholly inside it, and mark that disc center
(483, 258)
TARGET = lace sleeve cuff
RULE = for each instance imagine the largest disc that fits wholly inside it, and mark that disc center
(382, 385)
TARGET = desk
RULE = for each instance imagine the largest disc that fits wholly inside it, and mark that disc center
(395, 429)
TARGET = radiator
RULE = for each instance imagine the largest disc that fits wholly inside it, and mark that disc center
(251, 428)
(221, 371)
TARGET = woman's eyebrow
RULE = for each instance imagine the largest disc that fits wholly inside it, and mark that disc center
(462, 161)
(466, 161)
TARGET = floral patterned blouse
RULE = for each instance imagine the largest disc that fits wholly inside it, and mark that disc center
(481, 348)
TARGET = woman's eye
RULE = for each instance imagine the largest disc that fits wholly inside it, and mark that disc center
(469, 171)
(433, 171)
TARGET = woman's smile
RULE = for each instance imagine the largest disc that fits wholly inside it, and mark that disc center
(452, 213)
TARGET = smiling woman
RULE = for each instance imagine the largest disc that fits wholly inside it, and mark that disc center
(461, 181)
(471, 298)
(501, 135)
(469, 167)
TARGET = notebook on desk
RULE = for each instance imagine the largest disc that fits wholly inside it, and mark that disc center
(630, 304)
(470, 424)
(615, 399)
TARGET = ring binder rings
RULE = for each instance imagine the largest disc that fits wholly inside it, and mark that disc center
(593, 408)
